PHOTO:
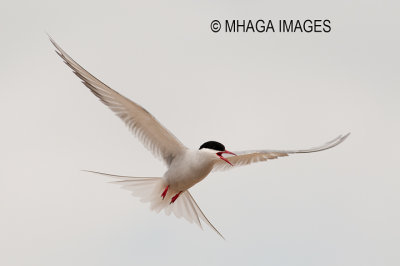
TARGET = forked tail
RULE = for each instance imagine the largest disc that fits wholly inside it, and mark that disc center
(149, 189)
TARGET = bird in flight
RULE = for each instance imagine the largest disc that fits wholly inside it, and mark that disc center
(186, 167)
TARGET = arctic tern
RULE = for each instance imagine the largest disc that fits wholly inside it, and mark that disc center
(186, 167)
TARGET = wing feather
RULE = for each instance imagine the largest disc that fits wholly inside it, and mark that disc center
(149, 131)
(253, 156)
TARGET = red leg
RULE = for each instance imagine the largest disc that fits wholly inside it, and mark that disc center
(175, 197)
(165, 192)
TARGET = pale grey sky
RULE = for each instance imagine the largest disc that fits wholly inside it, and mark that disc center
(248, 91)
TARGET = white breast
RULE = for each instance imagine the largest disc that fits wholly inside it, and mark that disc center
(189, 169)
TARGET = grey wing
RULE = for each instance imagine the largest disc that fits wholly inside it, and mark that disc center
(150, 132)
(253, 156)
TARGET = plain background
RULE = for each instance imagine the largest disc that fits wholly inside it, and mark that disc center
(248, 91)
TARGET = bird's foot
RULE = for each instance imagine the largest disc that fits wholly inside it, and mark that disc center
(175, 197)
(165, 192)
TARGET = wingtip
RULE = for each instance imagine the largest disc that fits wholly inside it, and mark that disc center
(344, 137)
(89, 171)
(84, 170)
(58, 50)
(338, 140)
(50, 38)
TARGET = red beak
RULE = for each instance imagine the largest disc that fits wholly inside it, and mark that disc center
(223, 158)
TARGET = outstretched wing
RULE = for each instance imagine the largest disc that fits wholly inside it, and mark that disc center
(253, 156)
(150, 132)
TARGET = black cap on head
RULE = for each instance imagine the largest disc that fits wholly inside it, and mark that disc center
(213, 145)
